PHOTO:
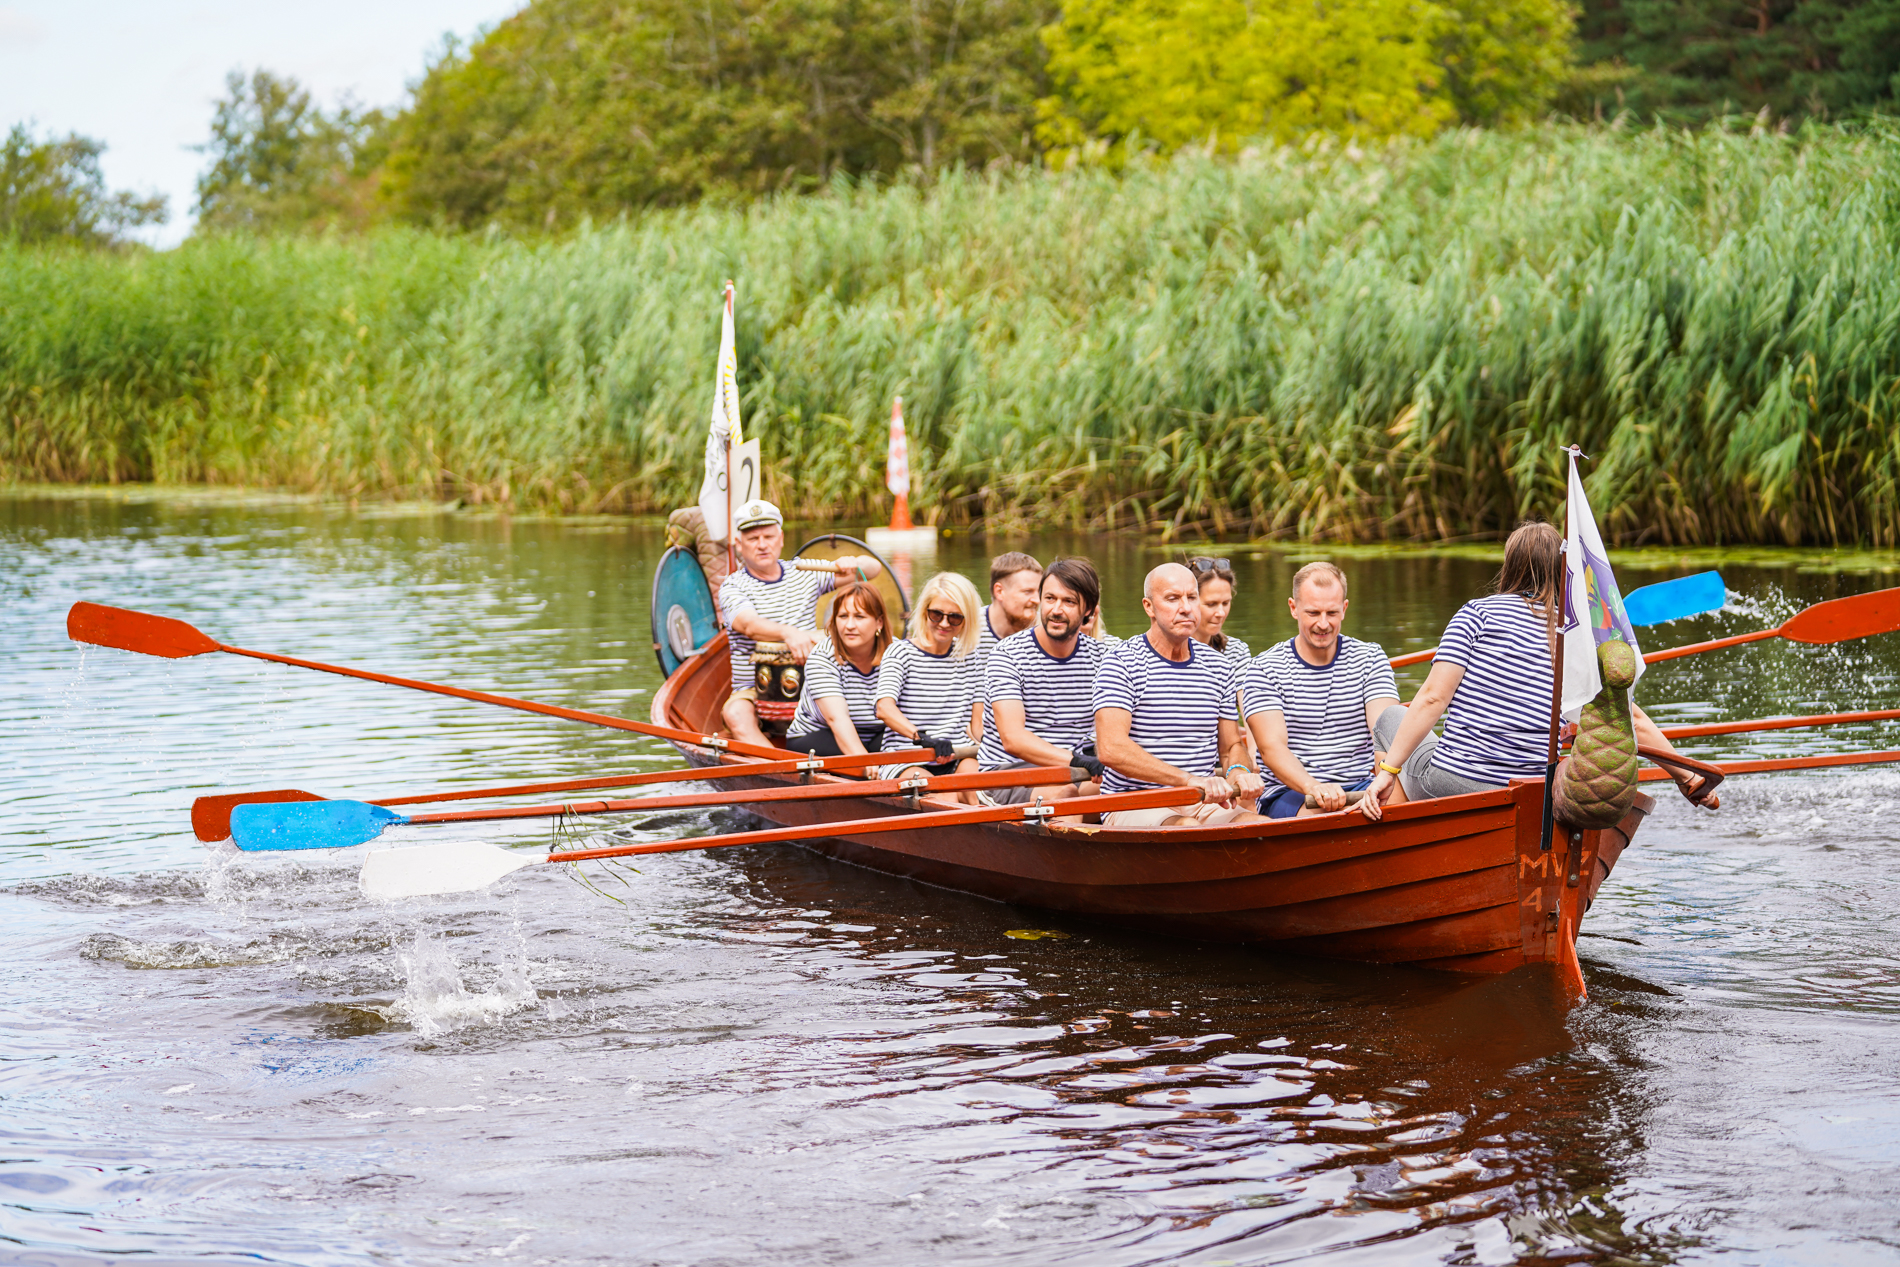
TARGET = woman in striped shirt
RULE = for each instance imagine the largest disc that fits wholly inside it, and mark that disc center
(1490, 681)
(1216, 580)
(837, 712)
(927, 688)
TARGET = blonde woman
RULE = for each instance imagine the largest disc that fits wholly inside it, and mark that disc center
(927, 687)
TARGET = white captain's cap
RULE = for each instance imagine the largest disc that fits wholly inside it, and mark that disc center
(756, 514)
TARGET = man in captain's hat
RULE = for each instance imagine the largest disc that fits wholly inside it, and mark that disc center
(765, 601)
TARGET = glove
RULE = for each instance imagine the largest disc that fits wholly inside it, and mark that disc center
(1088, 761)
(944, 748)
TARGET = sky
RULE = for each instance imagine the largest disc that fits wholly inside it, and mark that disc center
(143, 75)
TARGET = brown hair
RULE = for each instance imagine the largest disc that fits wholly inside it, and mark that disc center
(1004, 566)
(1533, 560)
(868, 601)
(1315, 572)
(1079, 575)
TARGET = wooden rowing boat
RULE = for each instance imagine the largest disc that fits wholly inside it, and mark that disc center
(1460, 884)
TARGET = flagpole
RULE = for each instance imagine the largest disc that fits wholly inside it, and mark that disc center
(1556, 694)
(731, 558)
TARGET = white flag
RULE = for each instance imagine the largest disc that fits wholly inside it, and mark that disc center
(1593, 605)
(717, 497)
(897, 462)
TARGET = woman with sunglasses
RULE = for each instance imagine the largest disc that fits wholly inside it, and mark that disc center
(927, 686)
(1216, 580)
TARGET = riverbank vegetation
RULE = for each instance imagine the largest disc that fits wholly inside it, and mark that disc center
(1314, 341)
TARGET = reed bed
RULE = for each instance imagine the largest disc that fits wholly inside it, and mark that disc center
(1319, 343)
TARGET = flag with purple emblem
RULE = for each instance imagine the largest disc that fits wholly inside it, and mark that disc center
(1593, 605)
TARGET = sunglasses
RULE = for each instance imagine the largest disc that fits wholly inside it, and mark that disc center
(1219, 567)
(949, 620)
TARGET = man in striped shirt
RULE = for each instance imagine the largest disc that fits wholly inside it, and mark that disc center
(1040, 685)
(1166, 714)
(1312, 702)
(765, 601)
(1015, 580)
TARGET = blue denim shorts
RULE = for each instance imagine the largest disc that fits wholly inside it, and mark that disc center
(1287, 803)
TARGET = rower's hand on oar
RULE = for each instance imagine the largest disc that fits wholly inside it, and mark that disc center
(799, 642)
(1690, 785)
(1214, 789)
(1088, 762)
(945, 748)
(1372, 804)
(1248, 785)
(1328, 797)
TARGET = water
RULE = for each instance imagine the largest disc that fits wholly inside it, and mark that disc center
(763, 1056)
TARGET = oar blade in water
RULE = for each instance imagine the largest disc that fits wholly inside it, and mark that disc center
(125, 630)
(450, 866)
(309, 824)
(1844, 619)
(211, 815)
(1674, 600)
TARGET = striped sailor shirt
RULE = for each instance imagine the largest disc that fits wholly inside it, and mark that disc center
(934, 692)
(1057, 696)
(828, 677)
(1497, 726)
(1175, 707)
(1324, 706)
(791, 599)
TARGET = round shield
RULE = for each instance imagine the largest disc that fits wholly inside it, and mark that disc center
(889, 585)
(683, 615)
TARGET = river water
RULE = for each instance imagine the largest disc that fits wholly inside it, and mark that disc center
(766, 1057)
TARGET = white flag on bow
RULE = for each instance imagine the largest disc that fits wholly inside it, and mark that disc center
(723, 491)
(897, 461)
(1593, 605)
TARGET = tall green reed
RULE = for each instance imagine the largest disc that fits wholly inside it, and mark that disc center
(1318, 342)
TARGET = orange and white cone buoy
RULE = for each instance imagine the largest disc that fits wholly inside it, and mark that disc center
(902, 537)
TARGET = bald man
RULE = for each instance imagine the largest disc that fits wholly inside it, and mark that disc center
(1167, 715)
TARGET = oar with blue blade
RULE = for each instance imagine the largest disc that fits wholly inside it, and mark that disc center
(341, 824)
(1673, 600)
(309, 824)
(1651, 605)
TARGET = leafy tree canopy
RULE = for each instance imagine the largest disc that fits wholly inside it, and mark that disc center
(53, 191)
(280, 162)
(1690, 60)
(1179, 71)
(587, 107)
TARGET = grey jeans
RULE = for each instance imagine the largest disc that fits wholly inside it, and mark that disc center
(1419, 776)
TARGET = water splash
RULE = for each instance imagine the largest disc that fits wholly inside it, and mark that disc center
(436, 1001)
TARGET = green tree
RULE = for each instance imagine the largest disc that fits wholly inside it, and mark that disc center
(577, 108)
(53, 191)
(1180, 71)
(278, 161)
(1690, 60)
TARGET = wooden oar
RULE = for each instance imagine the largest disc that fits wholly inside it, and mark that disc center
(462, 866)
(1777, 723)
(1650, 605)
(211, 815)
(1788, 763)
(146, 634)
(341, 824)
(1837, 620)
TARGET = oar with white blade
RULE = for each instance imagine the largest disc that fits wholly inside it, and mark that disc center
(463, 866)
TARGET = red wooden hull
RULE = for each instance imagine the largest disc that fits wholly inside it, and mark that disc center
(1459, 884)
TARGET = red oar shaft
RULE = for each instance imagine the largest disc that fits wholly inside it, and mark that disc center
(707, 773)
(1160, 798)
(1777, 723)
(1040, 777)
(175, 639)
(521, 705)
(1714, 644)
(1785, 763)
